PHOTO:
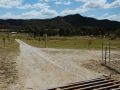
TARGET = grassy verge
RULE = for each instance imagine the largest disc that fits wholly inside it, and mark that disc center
(8, 52)
(71, 42)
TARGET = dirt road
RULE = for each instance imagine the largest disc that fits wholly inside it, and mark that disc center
(46, 68)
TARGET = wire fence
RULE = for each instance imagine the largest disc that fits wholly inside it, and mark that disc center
(111, 57)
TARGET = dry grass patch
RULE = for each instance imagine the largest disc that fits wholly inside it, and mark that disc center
(8, 72)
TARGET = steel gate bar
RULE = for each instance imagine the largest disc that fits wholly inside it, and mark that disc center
(93, 84)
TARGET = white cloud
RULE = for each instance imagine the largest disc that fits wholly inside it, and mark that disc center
(26, 6)
(40, 6)
(99, 4)
(67, 2)
(58, 2)
(87, 5)
(104, 16)
(64, 2)
(91, 4)
(44, 0)
(21, 5)
(115, 4)
(36, 10)
(49, 13)
(114, 17)
(7, 16)
(34, 6)
(73, 11)
(41, 9)
(30, 14)
(81, 0)
(34, 14)
(25, 15)
(95, 4)
(10, 3)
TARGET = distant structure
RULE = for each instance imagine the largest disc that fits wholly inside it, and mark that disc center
(13, 32)
(4, 30)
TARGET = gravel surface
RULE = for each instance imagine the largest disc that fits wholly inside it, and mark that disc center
(45, 68)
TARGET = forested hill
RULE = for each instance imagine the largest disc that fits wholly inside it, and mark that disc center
(67, 26)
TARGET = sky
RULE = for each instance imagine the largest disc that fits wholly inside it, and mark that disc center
(44, 9)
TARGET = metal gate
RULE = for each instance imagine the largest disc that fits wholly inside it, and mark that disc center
(94, 84)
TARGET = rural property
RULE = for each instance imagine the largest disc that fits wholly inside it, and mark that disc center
(59, 44)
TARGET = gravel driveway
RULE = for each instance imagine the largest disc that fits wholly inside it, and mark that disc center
(46, 68)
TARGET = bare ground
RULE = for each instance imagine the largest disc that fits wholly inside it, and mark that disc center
(95, 65)
(40, 69)
(8, 72)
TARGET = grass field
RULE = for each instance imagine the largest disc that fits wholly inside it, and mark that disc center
(78, 42)
(71, 42)
(8, 52)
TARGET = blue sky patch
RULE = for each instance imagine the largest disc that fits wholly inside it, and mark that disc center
(42, 9)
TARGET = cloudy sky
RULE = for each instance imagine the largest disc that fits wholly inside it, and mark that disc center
(42, 9)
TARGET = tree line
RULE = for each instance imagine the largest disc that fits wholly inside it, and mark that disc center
(71, 25)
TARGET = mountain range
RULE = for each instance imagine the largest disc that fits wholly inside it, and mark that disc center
(71, 23)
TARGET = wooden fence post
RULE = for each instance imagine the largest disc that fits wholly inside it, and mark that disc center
(102, 52)
(105, 54)
(109, 52)
(4, 41)
(45, 38)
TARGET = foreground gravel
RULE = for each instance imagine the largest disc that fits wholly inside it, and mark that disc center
(40, 69)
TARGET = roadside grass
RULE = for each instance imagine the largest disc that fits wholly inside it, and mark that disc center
(71, 42)
(8, 53)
